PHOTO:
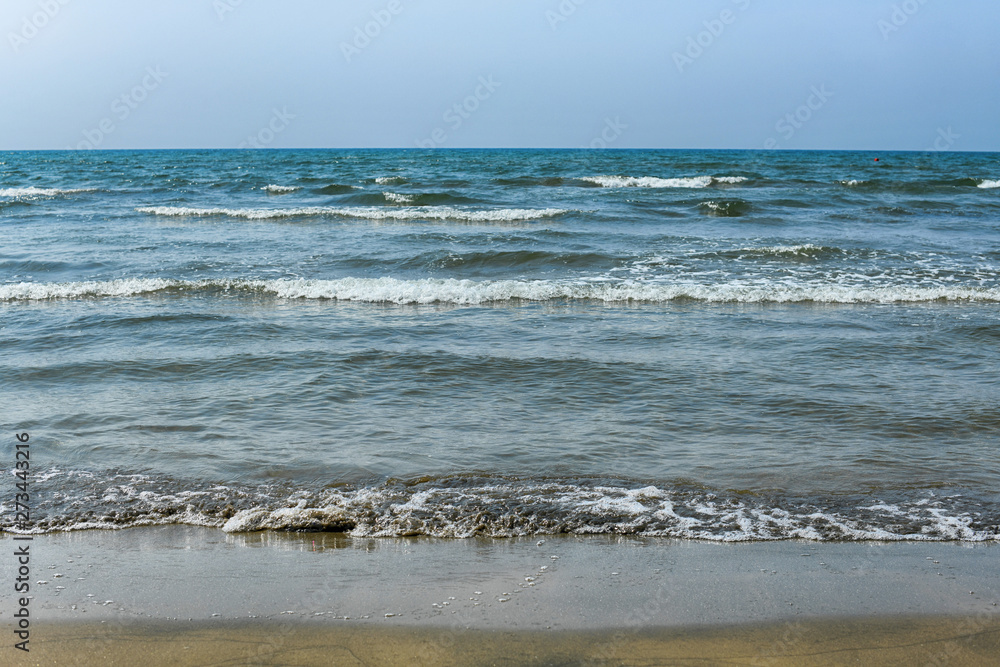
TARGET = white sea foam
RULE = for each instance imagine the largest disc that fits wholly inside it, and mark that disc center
(389, 180)
(444, 512)
(364, 213)
(484, 508)
(281, 189)
(852, 183)
(470, 292)
(988, 185)
(91, 288)
(653, 182)
(41, 192)
(803, 249)
(398, 198)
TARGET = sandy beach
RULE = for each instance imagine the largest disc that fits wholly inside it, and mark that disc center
(193, 596)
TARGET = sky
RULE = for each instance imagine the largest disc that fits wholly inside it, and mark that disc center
(742, 74)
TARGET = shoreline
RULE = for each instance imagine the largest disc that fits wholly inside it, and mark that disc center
(563, 599)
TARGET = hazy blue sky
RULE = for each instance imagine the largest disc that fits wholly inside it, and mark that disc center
(844, 74)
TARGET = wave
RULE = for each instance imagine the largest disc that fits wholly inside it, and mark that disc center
(919, 187)
(727, 208)
(365, 213)
(546, 181)
(653, 182)
(523, 509)
(41, 192)
(89, 288)
(802, 251)
(369, 199)
(390, 180)
(336, 189)
(280, 189)
(15, 203)
(397, 198)
(520, 259)
(459, 506)
(470, 292)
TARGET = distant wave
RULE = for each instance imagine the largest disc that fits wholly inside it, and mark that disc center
(389, 180)
(336, 189)
(365, 213)
(653, 182)
(917, 187)
(470, 292)
(529, 181)
(42, 192)
(464, 507)
(726, 208)
(373, 199)
(280, 189)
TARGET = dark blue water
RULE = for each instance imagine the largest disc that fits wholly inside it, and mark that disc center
(705, 344)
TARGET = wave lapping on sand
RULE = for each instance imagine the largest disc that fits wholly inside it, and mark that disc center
(462, 507)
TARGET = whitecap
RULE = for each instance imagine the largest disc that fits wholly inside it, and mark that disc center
(280, 189)
(472, 292)
(654, 182)
(32, 191)
(363, 213)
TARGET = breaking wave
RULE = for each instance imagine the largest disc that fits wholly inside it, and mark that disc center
(471, 292)
(653, 182)
(280, 189)
(17, 193)
(363, 213)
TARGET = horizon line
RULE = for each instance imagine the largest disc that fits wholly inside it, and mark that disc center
(490, 148)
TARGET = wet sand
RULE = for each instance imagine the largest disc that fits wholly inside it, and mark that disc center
(192, 596)
(927, 641)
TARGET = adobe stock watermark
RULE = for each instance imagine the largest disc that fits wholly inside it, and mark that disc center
(456, 115)
(795, 120)
(223, 7)
(31, 25)
(276, 125)
(698, 44)
(899, 17)
(363, 36)
(609, 133)
(562, 12)
(945, 140)
(121, 108)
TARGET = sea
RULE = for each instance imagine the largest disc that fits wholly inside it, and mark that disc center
(704, 345)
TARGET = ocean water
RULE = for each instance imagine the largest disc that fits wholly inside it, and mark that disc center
(719, 345)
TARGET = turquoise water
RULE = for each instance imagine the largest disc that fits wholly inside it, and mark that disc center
(705, 344)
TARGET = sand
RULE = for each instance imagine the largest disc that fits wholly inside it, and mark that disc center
(195, 596)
